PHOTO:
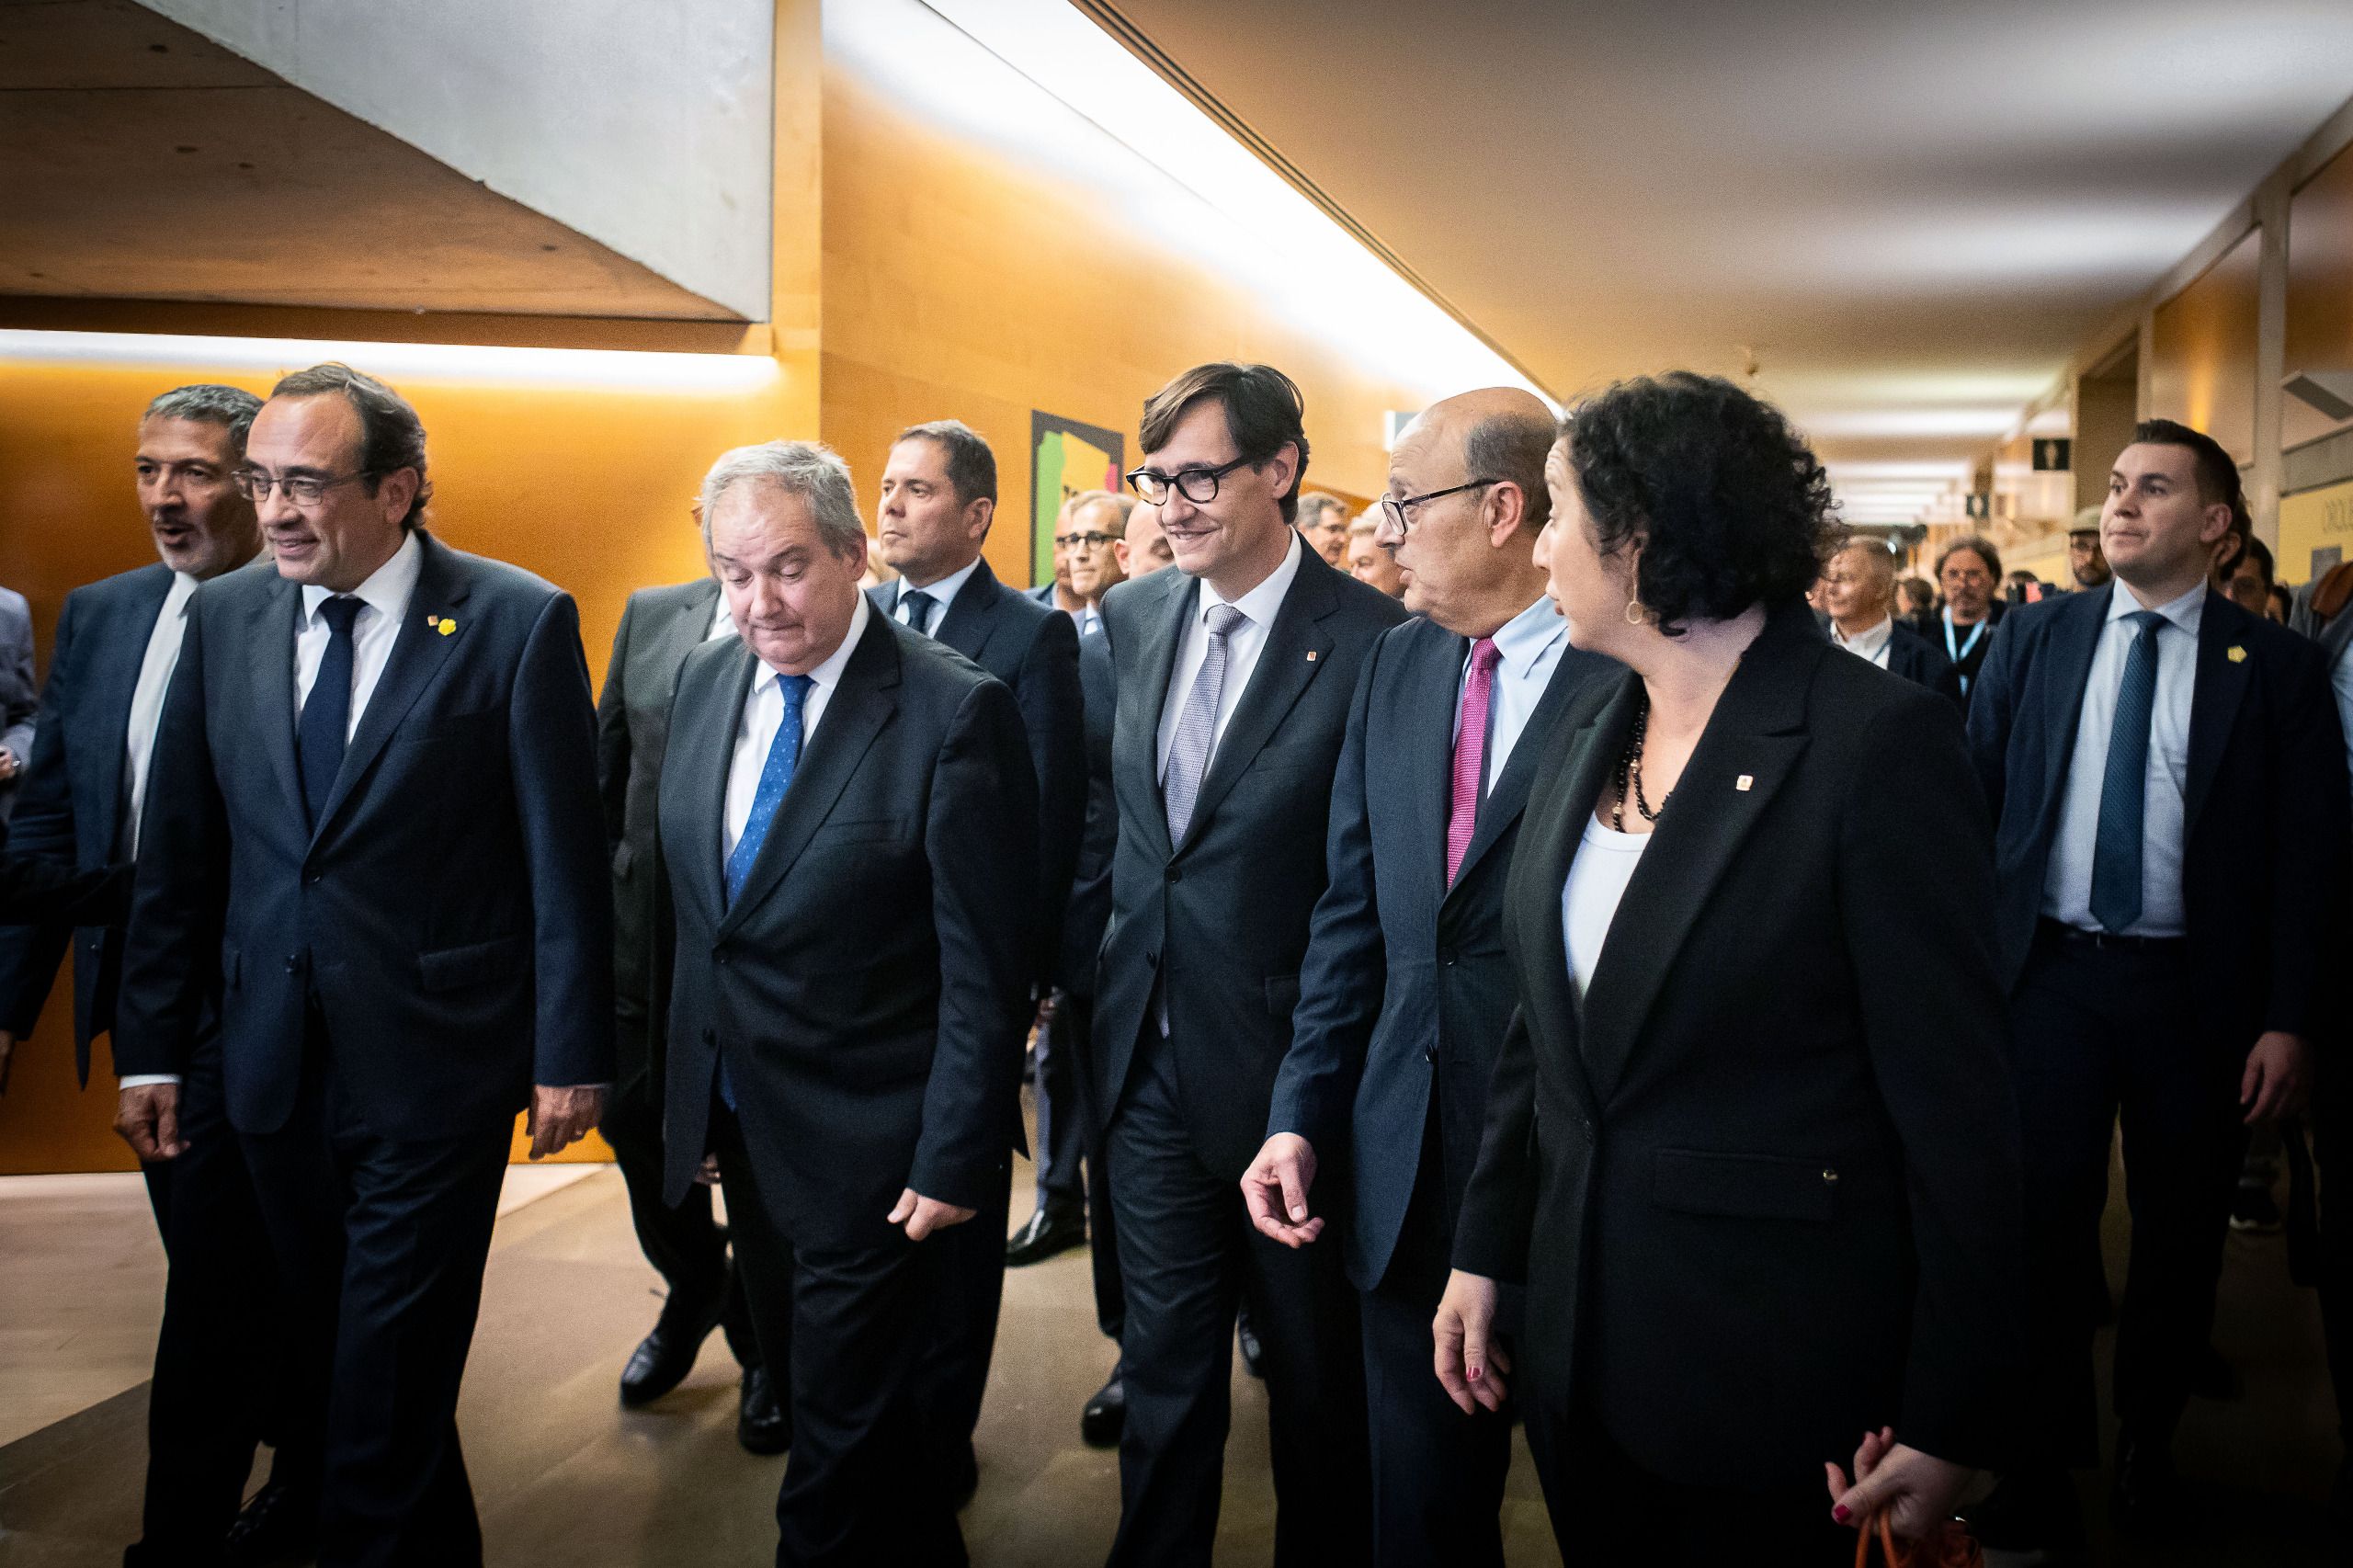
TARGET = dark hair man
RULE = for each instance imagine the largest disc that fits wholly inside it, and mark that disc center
(1388, 1081)
(849, 827)
(2168, 781)
(215, 1388)
(1234, 674)
(938, 497)
(1968, 571)
(374, 816)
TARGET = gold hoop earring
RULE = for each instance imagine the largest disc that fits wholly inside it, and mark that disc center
(1634, 616)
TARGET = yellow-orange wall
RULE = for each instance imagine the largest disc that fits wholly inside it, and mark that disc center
(2203, 362)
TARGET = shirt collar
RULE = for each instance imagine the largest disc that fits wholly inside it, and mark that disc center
(1260, 603)
(387, 589)
(942, 593)
(183, 589)
(722, 619)
(828, 675)
(2185, 612)
(1524, 639)
(1867, 642)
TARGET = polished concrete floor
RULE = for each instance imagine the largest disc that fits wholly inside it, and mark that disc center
(565, 1477)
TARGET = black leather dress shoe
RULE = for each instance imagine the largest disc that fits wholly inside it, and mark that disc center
(280, 1525)
(1054, 1228)
(2147, 1495)
(762, 1423)
(664, 1358)
(1254, 1355)
(1106, 1415)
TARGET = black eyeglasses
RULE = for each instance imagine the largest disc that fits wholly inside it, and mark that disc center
(1399, 509)
(1091, 540)
(302, 489)
(1198, 485)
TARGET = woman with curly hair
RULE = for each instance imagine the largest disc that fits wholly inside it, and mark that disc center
(1751, 1144)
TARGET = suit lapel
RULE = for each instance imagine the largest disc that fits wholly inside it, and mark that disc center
(1427, 770)
(2214, 701)
(109, 702)
(1753, 740)
(1297, 647)
(419, 652)
(971, 615)
(279, 621)
(863, 702)
(2067, 659)
(699, 753)
(1162, 635)
(688, 631)
(1579, 764)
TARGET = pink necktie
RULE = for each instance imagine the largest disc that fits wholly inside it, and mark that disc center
(1470, 753)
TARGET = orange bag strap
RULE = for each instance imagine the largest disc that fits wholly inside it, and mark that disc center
(1951, 1546)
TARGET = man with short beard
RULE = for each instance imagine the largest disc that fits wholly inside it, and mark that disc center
(1968, 569)
(118, 642)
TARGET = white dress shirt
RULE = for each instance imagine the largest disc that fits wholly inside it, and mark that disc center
(2067, 882)
(942, 594)
(1527, 649)
(1870, 644)
(163, 656)
(385, 598)
(764, 716)
(723, 620)
(1605, 863)
(1243, 646)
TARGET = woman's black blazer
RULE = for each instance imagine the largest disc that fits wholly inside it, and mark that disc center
(1762, 1181)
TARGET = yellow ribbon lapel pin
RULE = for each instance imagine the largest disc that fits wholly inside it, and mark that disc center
(2236, 654)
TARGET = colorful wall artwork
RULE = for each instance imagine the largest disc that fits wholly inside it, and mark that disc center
(1066, 457)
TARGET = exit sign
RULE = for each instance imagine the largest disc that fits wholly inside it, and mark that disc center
(2053, 454)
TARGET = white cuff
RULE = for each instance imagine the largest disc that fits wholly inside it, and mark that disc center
(141, 1080)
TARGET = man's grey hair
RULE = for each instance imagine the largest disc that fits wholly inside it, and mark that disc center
(1877, 558)
(209, 403)
(1314, 503)
(806, 469)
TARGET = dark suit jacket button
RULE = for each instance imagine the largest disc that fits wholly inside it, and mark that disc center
(1152, 960)
(1446, 957)
(1430, 1056)
(1173, 873)
(711, 1037)
(315, 879)
(720, 955)
(293, 963)
(1829, 1177)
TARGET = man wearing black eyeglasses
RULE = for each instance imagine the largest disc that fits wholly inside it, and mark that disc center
(1234, 677)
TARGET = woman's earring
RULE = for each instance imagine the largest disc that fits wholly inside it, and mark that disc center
(1634, 616)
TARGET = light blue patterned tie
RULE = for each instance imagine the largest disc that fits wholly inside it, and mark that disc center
(1188, 748)
(776, 777)
(2124, 785)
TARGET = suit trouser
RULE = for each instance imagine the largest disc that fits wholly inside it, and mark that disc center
(686, 1245)
(2332, 1125)
(1607, 1510)
(1438, 1475)
(1062, 1122)
(381, 1241)
(1073, 1031)
(2098, 1034)
(217, 1391)
(1188, 1253)
(856, 1490)
(952, 1377)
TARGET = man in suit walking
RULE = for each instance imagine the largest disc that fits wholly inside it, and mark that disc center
(17, 700)
(374, 820)
(1235, 674)
(1405, 993)
(686, 1245)
(2168, 778)
(938, 497)
(848, 826)
(214, 1394)
(1859, 592)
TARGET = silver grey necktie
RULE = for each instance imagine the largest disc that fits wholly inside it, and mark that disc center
(1188, 749)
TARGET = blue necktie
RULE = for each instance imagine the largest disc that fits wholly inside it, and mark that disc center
(326, 714)
(776, 777)
(2124, 784)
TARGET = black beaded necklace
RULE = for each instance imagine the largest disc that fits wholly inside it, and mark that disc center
(1630, 773)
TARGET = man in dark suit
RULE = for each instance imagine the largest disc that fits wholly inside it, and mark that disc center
(659, 627)
(1859, 593)
(938, 497)
(848, 826)
(34, 888)
(374, 823)
(2168, 778)
(1235, 674)
(16, 699)
(1405, 993)
(118, 641)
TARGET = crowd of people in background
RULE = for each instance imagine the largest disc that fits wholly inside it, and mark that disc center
(1507, 953)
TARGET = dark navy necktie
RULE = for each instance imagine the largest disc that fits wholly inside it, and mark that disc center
(326, 714)
(918, 606)
(2124, 784)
